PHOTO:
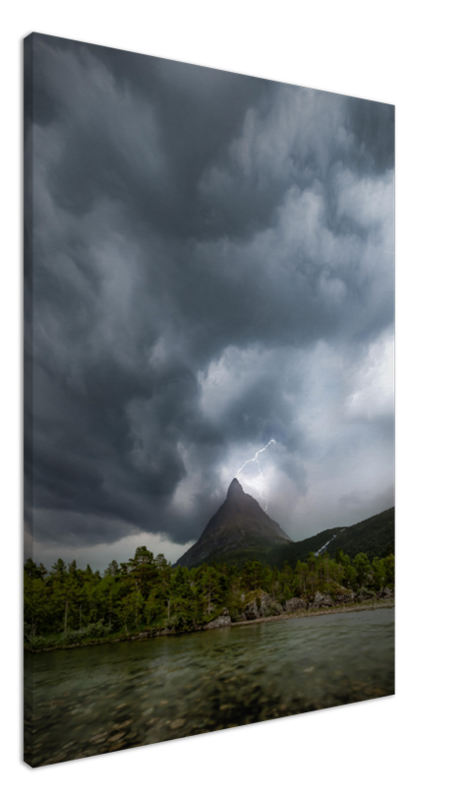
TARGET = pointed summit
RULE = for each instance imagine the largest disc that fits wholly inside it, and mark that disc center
(239, 524)
(235, 489)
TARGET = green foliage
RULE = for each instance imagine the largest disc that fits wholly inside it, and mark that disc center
(286, 593)
(142, 556)
(350, 576)
(334, 589)
(95, 630)
(59, 570)
(252, 575)
(379, 573)
(273, 610)
(37, 642)
(362, 566)
(390, 570)
(369, 592)
(70, 606)
(32, 571)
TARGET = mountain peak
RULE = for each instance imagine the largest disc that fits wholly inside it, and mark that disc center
(235, 489)
(240, 523)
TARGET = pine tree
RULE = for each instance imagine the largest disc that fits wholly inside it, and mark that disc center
(362, 566)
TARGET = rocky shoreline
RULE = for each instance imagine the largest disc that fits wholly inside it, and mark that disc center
(366, 605)
(260, 606)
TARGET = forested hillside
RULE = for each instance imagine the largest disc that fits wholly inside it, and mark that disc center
(374, 536)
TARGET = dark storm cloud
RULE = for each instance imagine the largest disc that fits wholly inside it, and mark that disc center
(212, 268)
(373, 125)
(139, 130)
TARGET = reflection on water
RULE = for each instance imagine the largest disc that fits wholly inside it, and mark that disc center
(100, 699)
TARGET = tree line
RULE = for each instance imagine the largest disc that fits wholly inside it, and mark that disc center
(68, 604)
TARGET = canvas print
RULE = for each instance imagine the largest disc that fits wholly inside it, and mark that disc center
(209, 400)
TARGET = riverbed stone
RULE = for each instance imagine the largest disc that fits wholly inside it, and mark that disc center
(114, 747)
(116, 737)
(177, 723)
(124, 724)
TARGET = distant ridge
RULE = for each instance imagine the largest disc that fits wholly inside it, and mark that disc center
(239, 524)
(374, 536)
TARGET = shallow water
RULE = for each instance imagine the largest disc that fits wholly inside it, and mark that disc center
(115, 696)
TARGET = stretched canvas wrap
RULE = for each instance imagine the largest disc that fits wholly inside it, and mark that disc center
(209, 469)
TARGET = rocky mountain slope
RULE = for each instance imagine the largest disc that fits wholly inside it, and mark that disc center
(240, 524)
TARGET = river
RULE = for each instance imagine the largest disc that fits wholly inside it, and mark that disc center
(116, 696)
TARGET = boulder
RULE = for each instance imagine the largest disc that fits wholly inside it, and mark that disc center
(262, 605)
(142, 635)
(345, 596)
(386, 593)
(295, 604)
(269, 607)
(274, 609)
(364, 594)
(251, 611)
(223, 621)
(321, 600)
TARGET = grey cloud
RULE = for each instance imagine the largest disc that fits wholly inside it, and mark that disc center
(212, 264)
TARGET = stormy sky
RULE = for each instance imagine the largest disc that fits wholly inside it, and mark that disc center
(212, 269)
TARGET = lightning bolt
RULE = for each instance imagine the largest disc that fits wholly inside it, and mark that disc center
(255, 461)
